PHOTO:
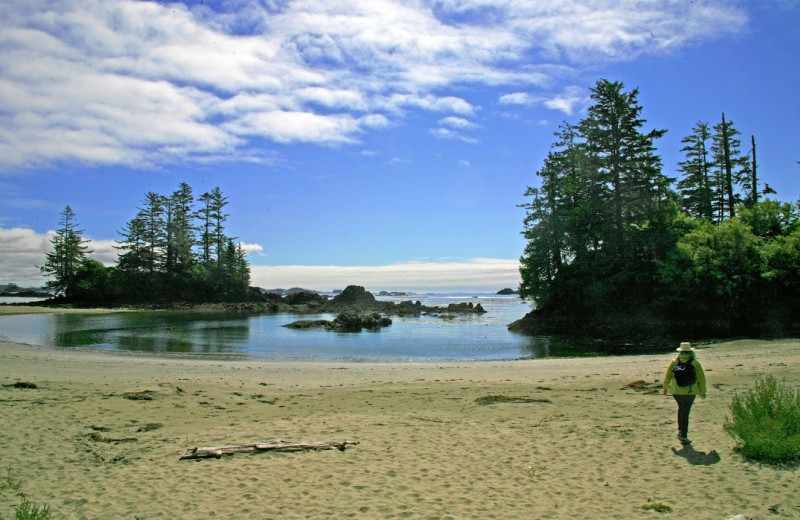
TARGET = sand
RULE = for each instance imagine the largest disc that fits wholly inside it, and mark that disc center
(579, 443)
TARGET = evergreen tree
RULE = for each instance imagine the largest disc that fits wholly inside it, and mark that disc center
(205, 215)
(608, 253)
(628, 169)
(144, 237)
(731, 169)
(133, 259)
(749, 176)
(163, 255)
(542, 230)
(180, 230)
(593, 225)
(212, 222)
(695, 186)
(68, 253)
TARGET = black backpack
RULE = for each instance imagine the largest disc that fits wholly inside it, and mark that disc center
(684, 373)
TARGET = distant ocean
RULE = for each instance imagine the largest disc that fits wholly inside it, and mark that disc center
(424, 338)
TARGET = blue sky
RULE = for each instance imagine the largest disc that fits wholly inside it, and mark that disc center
(371, 142)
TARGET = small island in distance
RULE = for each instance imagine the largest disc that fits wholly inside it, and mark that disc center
(506, 291)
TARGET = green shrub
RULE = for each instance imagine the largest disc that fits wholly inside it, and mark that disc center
(765, 422)
(29, 511)
(25, 510)
(658, 506)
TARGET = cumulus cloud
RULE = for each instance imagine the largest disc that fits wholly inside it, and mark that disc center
(139, 83)
(476, 274)
(252, 249)
(22, 250)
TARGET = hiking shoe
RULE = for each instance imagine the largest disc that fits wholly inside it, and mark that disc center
(684, 440)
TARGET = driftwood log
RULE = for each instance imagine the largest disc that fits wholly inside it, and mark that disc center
(274, 445)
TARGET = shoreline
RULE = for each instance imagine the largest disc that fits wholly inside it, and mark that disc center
(579, 438)
(13, 309)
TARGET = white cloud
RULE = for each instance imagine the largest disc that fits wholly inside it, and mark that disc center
(451, 135)
(475, 274)
(253, 249)
(517, 98)
(457, 122)
(140, 83)
(288, 126)
(567, 101)
(22, 250)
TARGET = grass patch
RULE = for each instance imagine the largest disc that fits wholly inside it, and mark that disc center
(765, 422)
(657, 506)
(25, 510)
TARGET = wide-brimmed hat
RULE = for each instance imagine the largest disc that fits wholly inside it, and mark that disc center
(685, 347)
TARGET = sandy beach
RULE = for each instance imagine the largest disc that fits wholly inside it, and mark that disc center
(101, 436)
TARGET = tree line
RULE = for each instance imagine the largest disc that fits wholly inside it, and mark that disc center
(174, 249)
(617, 248)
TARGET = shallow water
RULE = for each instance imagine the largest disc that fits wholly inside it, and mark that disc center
(476, 337)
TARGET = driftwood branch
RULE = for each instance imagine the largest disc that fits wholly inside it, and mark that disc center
(275, 445)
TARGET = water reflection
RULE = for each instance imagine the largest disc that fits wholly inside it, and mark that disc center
(566, 346)
(151, 332)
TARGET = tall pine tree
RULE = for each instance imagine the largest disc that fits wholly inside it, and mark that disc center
(731, 169)
(69, 252)
(695, 185)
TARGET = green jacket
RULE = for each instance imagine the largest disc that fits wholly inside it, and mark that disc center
(698, 388)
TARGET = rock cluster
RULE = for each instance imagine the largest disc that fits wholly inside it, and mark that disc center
(345, 322)
(358, 309)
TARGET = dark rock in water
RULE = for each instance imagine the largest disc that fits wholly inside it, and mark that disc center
(466, 308)
(351, 322)
(408, 308)
(304, 298)
(345, 322)
(354, 295)
(308, 324)
(506, 291)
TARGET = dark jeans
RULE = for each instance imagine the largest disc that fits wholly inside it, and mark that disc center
(684, 407)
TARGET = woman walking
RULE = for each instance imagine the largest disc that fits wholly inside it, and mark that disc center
(685, 380)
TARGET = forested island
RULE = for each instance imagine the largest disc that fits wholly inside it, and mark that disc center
(175, 249)
(618, 249)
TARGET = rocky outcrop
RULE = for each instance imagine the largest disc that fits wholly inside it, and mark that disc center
(352, 322)
(345, 322)
(465, 308)
(354, 297)
(304, 298)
